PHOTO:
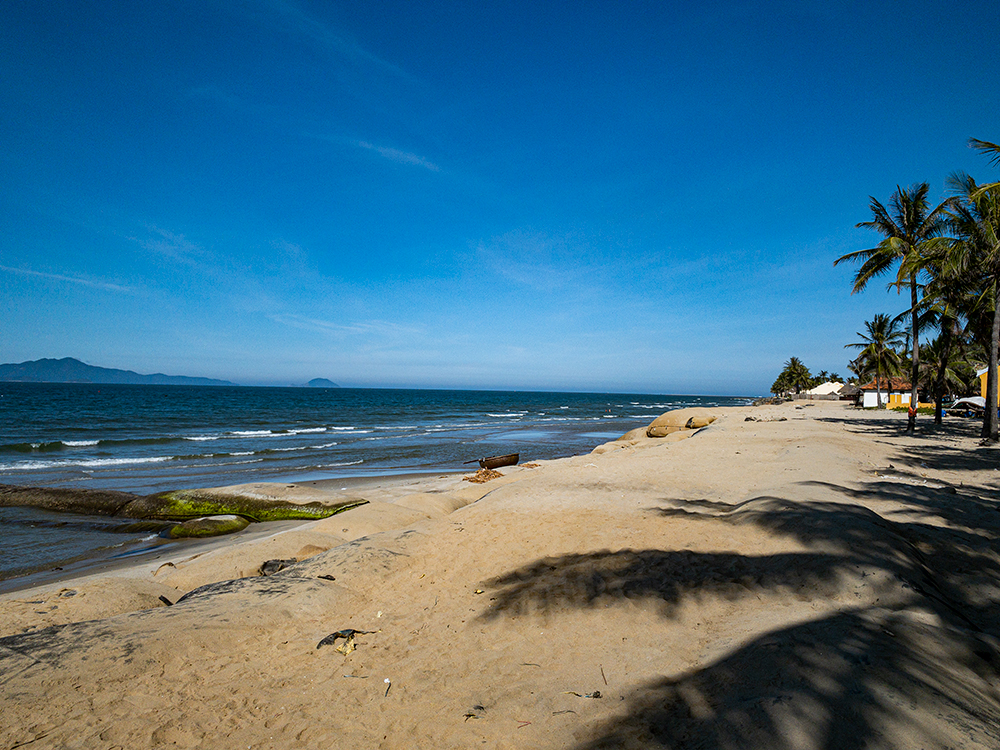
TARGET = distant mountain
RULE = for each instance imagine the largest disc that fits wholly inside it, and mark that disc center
(69, 370)
(322, 383)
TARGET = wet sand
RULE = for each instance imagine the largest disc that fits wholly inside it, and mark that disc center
(812, 578)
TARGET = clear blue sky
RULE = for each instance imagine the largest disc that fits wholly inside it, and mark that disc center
(609, 196)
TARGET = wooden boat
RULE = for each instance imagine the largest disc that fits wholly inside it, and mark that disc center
(495, 462)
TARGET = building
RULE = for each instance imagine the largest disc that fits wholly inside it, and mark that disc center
(895, 393)
(982, 383)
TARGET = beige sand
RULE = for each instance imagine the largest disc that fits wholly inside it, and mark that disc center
(818, 582)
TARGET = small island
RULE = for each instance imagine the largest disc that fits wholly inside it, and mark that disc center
(321, 383)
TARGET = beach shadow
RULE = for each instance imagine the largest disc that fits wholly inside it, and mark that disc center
(923, 642)
(664, 576)
(851, 680)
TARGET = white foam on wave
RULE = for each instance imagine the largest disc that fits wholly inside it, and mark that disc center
(252, 433)
(238, 463)
(347, 463)
(33, 465)
(79, 443)
(201, 438)
(306, 430)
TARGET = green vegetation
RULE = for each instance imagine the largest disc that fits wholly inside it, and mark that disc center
(796, 377)
(878, 351)
(948, 258)
(183, 504)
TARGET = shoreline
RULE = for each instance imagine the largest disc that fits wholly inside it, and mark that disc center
(109, 559)
(756, 578)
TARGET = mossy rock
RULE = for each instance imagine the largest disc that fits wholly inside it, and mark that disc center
(197, 528)
(183, 504)
(65, 500)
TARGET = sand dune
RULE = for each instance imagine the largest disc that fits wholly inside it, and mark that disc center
(822, 581)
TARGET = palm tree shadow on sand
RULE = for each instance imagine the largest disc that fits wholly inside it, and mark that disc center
(914, 664)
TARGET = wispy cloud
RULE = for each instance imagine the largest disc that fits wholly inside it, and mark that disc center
(368, 328)
(536, 261)
(82, 281)
(298, 20)
(402, 157)
(170, 244)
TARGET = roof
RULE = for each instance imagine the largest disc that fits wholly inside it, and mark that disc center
(977, 401)
(888, 384)
(823, 389)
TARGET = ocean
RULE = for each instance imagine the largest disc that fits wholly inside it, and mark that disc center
(145, 439)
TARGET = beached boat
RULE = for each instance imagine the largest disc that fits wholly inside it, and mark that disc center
(494, 462)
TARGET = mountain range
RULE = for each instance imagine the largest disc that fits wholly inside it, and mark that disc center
(69, 370)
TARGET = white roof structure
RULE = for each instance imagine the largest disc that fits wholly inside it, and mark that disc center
(825, 389)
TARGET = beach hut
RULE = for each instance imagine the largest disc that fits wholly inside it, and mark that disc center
(849, 392)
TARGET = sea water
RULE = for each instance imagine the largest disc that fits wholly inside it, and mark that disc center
(145, 439)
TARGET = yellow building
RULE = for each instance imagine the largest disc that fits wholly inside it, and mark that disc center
(982, 384)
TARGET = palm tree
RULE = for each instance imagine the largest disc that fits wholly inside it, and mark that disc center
(949, 298)
(908, 230)
(940, 368)
(989, 149)
(795, 377)
(878, 350)
(976, 221)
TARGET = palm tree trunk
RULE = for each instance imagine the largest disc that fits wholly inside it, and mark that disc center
(942, 370)
(990, 423)
(911, 421)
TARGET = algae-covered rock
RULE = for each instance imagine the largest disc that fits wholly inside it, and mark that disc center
(197, 503)
(208, 526)
(76, 500)
(242, 500)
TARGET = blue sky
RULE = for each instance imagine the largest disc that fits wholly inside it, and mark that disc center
(603, 196)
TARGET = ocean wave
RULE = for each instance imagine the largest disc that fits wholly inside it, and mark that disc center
(202, 438)
(346, 463)
(46, 446)
(89, 463)
(252, 433)
(306, 430)
(238, 463)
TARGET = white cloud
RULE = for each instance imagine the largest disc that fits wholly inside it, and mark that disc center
(402, 157)
(172, 245)
(308, 25)
(368, 328)
(103, 285)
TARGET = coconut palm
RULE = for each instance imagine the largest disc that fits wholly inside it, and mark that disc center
(908, 229)
(950, 297)
(975, 218)
(794, 377)
(878, 351)
(941, 368)
(991, 150)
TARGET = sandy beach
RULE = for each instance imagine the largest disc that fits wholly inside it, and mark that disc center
(793, 576)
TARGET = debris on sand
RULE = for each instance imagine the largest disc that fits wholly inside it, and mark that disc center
(482, 476)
